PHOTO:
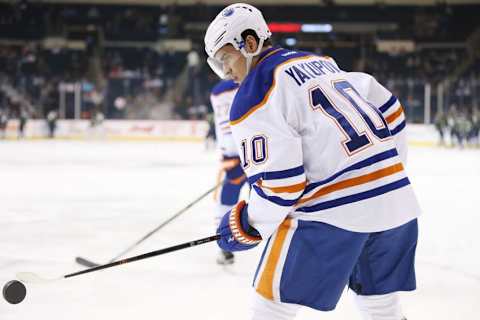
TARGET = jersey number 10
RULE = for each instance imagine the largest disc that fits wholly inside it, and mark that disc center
(258, 150)
(345, 94)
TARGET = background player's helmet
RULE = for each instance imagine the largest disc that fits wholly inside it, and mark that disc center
(227, 28)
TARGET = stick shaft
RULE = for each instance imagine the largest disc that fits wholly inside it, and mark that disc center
(146, 255)
(148, 235)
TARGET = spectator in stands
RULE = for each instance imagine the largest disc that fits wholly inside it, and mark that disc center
(194, 94)
(169, 63)
(29, 65)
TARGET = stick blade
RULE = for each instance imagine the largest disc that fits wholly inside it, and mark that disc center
(85, 262)
(30, 277)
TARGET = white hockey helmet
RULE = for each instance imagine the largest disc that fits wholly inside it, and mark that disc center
(227, 28)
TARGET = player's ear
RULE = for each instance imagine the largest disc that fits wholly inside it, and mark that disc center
(251, 44)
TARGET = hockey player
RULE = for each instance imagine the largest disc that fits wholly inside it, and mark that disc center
(324, 151)
(221, 98)
(52, 117)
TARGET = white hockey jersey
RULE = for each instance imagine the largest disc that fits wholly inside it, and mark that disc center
(321, 144)
(221, 98)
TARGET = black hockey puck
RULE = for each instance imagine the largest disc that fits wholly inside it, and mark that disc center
(14, 291)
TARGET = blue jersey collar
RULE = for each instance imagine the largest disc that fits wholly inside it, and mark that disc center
(264, 54)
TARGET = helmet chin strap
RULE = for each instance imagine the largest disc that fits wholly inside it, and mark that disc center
(249, 55)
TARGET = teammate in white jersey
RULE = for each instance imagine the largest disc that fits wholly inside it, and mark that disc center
(221, 98)
(324, 152)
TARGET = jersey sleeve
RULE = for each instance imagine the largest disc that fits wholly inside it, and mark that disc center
(271, 154)
(221, 107)
(387, 103)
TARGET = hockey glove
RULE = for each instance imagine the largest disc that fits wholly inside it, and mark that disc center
(236, 234)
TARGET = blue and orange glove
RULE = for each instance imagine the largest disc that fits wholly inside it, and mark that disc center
(236, 234)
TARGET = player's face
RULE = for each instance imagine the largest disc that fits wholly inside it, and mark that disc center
(233, 62)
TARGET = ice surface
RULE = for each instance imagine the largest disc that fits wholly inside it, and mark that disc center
(60, 199)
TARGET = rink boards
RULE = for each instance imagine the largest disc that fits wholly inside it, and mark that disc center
(160, 130)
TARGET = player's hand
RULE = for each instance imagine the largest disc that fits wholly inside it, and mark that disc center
(236, 234)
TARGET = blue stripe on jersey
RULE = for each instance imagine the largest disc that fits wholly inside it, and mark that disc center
(259, 81)
(357, 197)
(224, 122)
(277, 200)
(362, 164)
(398, 128)
(388, 104)
(223, 86)
(274, 175)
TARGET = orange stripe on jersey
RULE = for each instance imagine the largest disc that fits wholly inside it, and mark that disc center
(287, 189)
(238, 180)
(265, 285)
(267, 55)
(267, 95)
(394, 115)
(354, 181)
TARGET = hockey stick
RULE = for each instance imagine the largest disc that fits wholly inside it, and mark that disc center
(90, 264)
(29, 277)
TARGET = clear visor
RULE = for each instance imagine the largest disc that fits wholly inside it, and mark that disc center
(217, 67)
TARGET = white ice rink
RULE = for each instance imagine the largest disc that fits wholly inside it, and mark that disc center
(60, 199)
